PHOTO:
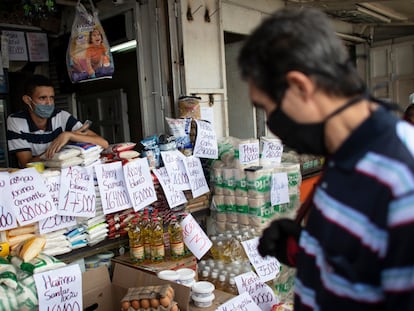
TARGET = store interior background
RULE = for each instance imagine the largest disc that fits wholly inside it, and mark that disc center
(114, 105)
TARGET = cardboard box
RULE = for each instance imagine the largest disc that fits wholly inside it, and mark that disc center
(97, 290)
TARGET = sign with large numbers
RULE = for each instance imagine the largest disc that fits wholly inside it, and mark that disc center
(272, 151)
(194, 237)
(38, 46)
(249, 153)
(139, 183)
(112, 187)
(173, 162)
(17, 45)
(7, 217)
(77, 195)
(31, 200)
(266, 268)
(55, 222)
(260, 292)
(174, 197)
(206, 141)
(60, 289)
(196, 176)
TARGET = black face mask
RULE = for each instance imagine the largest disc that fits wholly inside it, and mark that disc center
(308, 138)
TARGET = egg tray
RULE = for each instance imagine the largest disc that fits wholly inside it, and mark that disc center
(149, 292)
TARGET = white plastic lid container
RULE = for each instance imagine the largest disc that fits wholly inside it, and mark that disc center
(186, 276)
(203, 302)
(168, 275)
(202, 289)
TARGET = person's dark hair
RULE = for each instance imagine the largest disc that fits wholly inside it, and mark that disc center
(34, 81)
(302, 40)
(409, 112)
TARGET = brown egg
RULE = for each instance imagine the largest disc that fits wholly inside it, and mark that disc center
(165, 301)
(145, 303)
(169, 295)
(125, 305)
(171, 291)
(174, 308)
(135, 304)
(154, 302)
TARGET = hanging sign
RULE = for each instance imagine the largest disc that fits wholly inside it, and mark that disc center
(173, 162)
(55, 222)
(38, 47)
(77, 195)
(206, 141)
(60, 289)
(139, 183)
(31, 200)
(196, 176)
(266, 268)
(195, 238)
(17, 45)
(7, 217)
(174, 197)
(112, 187)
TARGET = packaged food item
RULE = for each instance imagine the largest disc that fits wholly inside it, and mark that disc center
(189, 107)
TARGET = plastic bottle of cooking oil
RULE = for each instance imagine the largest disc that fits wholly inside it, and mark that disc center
(222, 283)
(232, 288)
(136, 244)
(176, 239)
(146, 236)
(157, 242)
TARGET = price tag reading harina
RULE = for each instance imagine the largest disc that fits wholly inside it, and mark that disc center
(195, 238)
(196, 176)
(261, 293)
(279, 193)
(55, 222)
(249, 153)
(173, 162)
(60, 289)
(139, 183)
(206, 141)
(242, 302)
(174, 197)
(7, 216)
(77, 195)
(266, 268)
(30, 198)
(112, 187)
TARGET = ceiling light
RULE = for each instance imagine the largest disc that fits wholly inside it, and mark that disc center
(351, 38)
(380, 9)
(125, 46)
(373, 14)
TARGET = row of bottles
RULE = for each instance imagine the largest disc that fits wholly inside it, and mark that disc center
(146, 238)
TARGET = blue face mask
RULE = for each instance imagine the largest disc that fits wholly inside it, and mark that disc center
(43, 111)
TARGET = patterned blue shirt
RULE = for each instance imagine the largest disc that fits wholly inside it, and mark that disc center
(357, 249)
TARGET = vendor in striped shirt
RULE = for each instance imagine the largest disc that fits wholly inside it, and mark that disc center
(41, 129)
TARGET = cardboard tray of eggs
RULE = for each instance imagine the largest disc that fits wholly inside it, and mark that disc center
(149, 298)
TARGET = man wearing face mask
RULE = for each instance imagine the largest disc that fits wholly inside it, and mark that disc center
(41, 128)
(352, 241)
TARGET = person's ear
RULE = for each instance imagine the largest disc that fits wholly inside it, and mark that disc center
(301, 83)
(27, 100)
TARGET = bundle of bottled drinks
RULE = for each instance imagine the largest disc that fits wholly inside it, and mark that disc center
(152, 240)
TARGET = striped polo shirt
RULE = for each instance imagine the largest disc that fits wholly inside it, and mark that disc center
(357, 249)
(24, 135)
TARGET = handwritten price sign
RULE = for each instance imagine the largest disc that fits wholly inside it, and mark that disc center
(174, 197)
(242, 302)
(7, 217)
(55, 222)
(139, 183)
(173, 162)
(260, 292)
(112, 187)
(30, 197)
(194, 237)
(272, 151)
(279, 193)
(266, 268)
(249, 153)
(196, 176)
(77, 192)
(206, 141)
(60, 289)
